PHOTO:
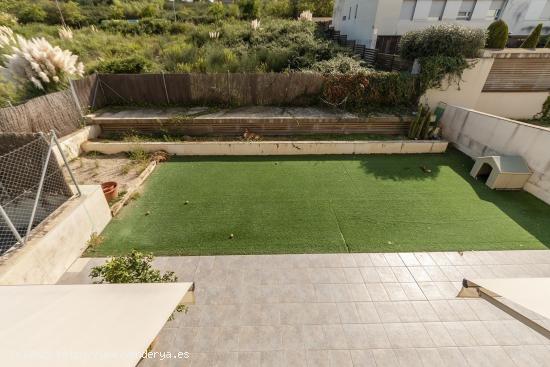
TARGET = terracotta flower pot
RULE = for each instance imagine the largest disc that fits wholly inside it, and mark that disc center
(110, 190)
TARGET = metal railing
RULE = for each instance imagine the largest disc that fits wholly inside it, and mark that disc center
(32, 185)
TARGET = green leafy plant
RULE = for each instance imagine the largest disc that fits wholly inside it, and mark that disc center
(497, 35)
(533, 40)
(421, 126)
(132, 268)
(449, 40)
(544, 114)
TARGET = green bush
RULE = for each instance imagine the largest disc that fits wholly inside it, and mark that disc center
(125, 65)
(250, 9)
(392, 89)
(340, 64)
(29, 13)
(442, 40)
(497, 36)
(216, 11)
(533, 40)
(133, 268)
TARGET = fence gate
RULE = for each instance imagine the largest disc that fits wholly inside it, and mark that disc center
(32, 185)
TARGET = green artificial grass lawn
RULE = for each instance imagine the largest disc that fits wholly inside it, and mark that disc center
(318, 204)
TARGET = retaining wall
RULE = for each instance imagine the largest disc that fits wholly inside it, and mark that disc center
(57, 242)
(480, 134)
(274, 147)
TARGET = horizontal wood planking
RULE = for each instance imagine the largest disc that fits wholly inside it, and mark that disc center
(519, 75)
(261, 126)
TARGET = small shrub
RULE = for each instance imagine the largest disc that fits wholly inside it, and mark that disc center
(497, 36)
(533, 40)
(133, 268)
(124, 65)
(544, 115)
(442, 40)
(95, 240)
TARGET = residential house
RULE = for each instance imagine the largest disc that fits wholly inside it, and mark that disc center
(380, 23)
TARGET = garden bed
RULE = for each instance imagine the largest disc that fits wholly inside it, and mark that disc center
(323, 204)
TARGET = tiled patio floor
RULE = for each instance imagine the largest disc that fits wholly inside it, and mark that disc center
(346, 310)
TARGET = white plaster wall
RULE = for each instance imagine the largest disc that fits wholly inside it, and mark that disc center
(467, 92)
(70, 144)
(60, 240)
(521, 105)
(480, 134)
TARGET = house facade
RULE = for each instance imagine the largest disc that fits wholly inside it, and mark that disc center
(380, 23)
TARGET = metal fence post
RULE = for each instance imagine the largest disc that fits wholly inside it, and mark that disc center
(10, 225)
(40, 186)
(54, 138)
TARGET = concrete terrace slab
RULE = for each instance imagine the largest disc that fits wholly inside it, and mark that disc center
(346, 310)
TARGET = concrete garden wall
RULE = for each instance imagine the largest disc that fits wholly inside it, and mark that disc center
(56, 243)
(512, 83)
(274, 147)
(481, 134)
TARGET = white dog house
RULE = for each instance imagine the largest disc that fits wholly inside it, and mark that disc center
(502, 172)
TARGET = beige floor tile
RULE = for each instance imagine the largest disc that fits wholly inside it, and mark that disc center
(363, 358)
(340, 358)
(348, 313)
(367, 312)
(385, 358)
(408, 357)
(439, 334)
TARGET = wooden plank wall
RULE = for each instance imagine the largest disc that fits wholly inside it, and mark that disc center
(519, 75)
(276, 89)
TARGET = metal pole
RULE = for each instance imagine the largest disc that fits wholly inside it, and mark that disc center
(54, 137)
(75, 97)
(10, 224)
(40, 187)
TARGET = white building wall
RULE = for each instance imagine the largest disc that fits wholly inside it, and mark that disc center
(383, 17)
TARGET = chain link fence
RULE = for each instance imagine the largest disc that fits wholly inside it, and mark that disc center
(32, 185)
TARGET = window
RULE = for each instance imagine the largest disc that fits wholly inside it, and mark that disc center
(495, 9)
(407, 9)
(356, 7)
(546, 11)
(437, 9)
(466, 9)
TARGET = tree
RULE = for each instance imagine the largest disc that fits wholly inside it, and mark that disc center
(533, 40)
(497, 36)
